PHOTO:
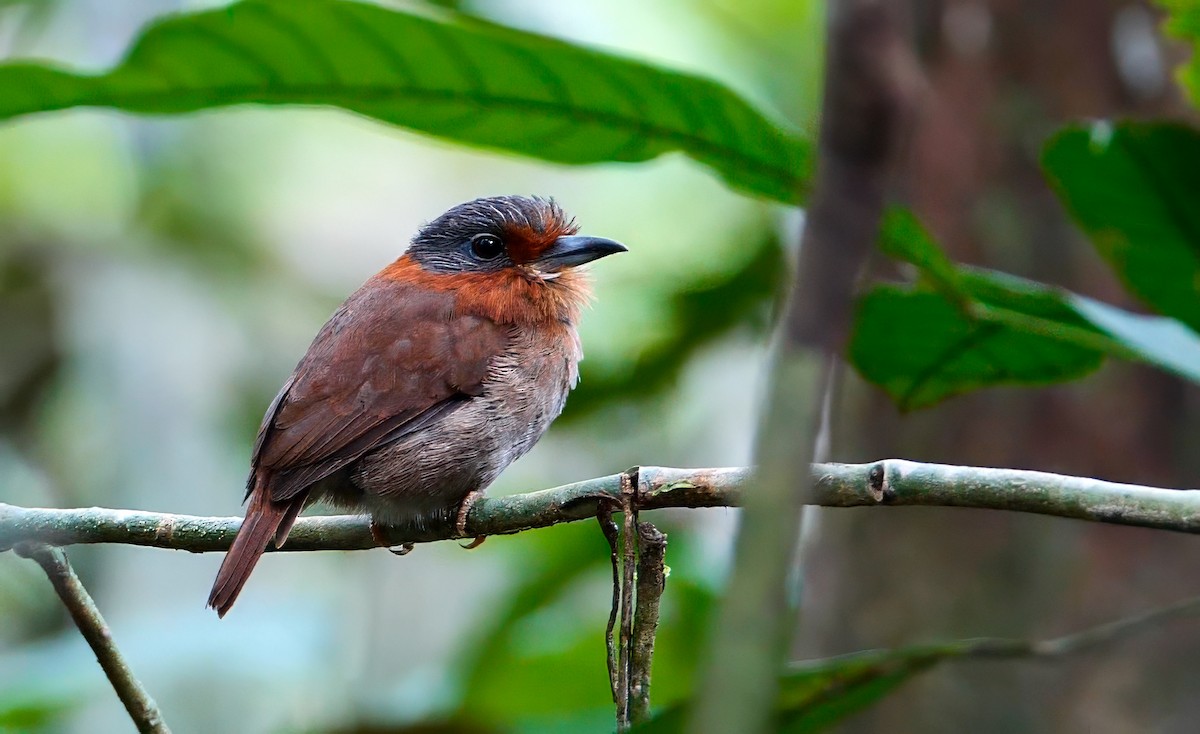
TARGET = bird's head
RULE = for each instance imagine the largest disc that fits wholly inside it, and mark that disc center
(511, 258)
(530, 235)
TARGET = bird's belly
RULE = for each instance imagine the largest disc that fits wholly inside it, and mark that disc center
(421, 478)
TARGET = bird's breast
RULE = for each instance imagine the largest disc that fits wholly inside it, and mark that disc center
(422, 477)
(527, 386)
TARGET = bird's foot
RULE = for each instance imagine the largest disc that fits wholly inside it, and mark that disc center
(460, 523)
(478, 541)
(380, 534)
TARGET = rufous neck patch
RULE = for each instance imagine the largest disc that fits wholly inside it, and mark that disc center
(508, 296)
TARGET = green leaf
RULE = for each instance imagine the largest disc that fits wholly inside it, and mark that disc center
(1133, 188)
(978, 328)
(902, 236)
(1159, 341)
(539, 661)
(503, 678)
(30, 709)
(921, 348)
(440, 74)
(814, 696)
(817, 695)
(1183, 22)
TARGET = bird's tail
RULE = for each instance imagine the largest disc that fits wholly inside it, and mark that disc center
(264, 519)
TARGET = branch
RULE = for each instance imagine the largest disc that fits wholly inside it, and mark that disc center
(818, 691)
(895, 664)
(871, 80)
(651, 580)
(629, 542)
(75, 598)
(893, 482)
(1109, 632)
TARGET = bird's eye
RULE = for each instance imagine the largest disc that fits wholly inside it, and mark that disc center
(486, 246)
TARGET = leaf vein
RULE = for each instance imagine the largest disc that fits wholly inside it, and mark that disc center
(230, 47)
(980, 334)
(347, 13)
(454, 51)
(232, 94)
(299, 36)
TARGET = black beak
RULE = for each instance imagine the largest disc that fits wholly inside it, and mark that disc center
(567, 252)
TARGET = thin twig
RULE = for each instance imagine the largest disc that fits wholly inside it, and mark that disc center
(651, 579)
(1116, 630)
(824, 679)
(1008, 648)
(611, 534)
(888, 482)
(79, 604)
(629, 542)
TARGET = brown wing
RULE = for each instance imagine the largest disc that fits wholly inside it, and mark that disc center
(392, 359)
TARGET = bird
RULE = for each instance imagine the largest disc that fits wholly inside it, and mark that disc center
(427, 382)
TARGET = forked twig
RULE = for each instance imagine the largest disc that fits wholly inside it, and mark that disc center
(95, 630)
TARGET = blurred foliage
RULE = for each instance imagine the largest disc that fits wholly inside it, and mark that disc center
(466, 81)
(1183, 22)
(819, 694)
(27, 329)
(920, 348)
(27, 711)
(1133, 188)
(31, 18)
(535, 664)
(425, 727)
(505, 677)
(176, 207)
(960, 329)
(696, 314)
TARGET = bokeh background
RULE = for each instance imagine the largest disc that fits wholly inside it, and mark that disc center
(160, 277)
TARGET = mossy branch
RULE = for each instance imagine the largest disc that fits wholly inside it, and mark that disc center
(891, 482)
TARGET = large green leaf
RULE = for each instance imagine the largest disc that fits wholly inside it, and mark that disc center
(1133, 188)
(443, 74)
(961, 329)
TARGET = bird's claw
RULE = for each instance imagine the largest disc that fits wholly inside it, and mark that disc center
(460, 522)
(380, 534)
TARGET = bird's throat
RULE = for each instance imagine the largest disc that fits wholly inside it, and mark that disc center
(518, 295)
